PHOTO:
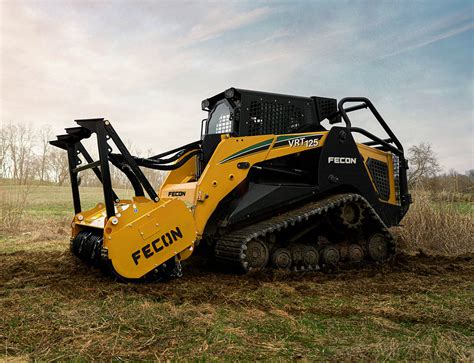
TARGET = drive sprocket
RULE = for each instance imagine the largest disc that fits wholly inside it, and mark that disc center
(352, 214)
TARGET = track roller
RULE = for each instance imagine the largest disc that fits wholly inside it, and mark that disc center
(310, 256)
(297, 254)
(281, 258)
(356, 253)
(330, 255)
(257, 254)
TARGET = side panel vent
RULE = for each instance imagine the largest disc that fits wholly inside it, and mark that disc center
(379, 171)
(274, 118)
(396, 177)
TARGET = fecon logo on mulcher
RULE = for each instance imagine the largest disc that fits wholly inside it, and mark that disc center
(151, 248)
(341, 160)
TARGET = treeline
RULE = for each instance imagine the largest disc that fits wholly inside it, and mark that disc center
(26, 157)
(425, 173)
(451, 182)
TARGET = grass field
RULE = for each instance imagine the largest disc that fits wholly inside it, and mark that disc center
(52, 307)
(55, 201)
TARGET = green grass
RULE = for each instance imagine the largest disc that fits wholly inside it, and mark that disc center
(47, 212)
(460, 207)
(55, 308)
(52, 307)
(55, 201)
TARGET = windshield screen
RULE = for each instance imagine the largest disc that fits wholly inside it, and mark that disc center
(221, 119)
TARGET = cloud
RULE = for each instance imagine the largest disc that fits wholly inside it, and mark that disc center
(445, 28)
(218, 21)
(147, 65)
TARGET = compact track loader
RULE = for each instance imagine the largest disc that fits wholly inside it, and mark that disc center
(267, 185)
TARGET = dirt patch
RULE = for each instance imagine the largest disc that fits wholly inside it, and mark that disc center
(65, 273)
(55, 307)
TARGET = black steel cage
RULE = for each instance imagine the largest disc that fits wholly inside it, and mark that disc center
(260, 113)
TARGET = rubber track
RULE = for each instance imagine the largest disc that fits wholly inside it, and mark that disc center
(230, 249)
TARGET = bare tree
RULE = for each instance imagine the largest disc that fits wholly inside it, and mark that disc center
(20, 146)
(58, 165)
(156, 177)
(423, 163)
(470, 173)
(26, 156)
(3, 152)
(45, 135)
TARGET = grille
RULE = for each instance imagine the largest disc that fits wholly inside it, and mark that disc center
(274, 118)
(379, 171)
(396, 176)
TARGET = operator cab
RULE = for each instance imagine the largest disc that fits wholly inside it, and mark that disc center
(240, 112)
(248, 113)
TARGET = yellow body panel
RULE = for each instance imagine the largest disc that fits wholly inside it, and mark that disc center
(182, 191)
(222, 175)
(143, 234)
(97, 217)
(183, 174)
(148, 235)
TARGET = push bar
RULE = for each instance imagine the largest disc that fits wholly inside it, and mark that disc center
(366, 103)
(387, 143)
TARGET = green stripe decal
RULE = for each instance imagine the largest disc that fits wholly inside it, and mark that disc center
(249, 150)
(283, 138)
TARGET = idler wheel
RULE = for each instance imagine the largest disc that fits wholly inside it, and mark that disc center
(331, 255)
(281, 258)
(311, 256)
(257, 254)
(356, 253)
(377, 246)
(351, 215)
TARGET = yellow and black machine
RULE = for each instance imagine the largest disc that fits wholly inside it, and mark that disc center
(267, 185)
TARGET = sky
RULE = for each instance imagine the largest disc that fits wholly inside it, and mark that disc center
(147, 65)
